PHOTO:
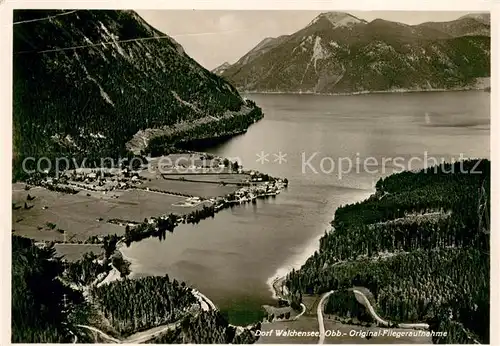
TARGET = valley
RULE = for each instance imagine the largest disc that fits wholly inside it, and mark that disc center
(154, 201)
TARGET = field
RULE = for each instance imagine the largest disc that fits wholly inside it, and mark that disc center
(311, 303)
(78, 215)
(55, 216)
(136, 205)
(233, 178)
(74, 252)
(182, 164)
(85, 214)
(206, 190)
(170, 166)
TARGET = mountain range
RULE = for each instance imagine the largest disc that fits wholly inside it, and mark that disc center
(87, 81)
(340, 53)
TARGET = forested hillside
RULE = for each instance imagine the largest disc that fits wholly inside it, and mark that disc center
(86, 270)
(468, 25)
(38, 298)
(208, 327)
(86, 81)
(45, 309)
(420, 244)
(340, 53)
(134, 305)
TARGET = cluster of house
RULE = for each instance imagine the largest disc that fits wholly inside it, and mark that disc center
(251, 193)
(101, 180)
(197, 163)
(256, 176)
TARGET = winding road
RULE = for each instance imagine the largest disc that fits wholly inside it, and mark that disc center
(141, 337)
(383, 322)
(278, 294)
(301, 313)
(370, 308)
(321, 323)
(149, 334)
(104, 335)
(136, 338)
(75, 338)
(205, 302)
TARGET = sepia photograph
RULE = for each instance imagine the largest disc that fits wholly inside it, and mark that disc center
(250, 176)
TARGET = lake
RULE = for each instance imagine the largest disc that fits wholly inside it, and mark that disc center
(333, 150)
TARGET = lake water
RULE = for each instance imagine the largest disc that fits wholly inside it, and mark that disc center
(232, 257)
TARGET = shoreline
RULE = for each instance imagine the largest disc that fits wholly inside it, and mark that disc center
(257, 190)
(365, 92)
(299, 259)
(133, 262)
(141, 140)
(294, 262)
(278, 184)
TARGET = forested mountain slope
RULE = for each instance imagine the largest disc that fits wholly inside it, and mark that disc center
(46, 309)
(469, 25)
(339, 53)
(86, 81)
(420, 244)
(37, 296)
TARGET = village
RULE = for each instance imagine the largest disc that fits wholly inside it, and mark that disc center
(106, 180)
(87, 205)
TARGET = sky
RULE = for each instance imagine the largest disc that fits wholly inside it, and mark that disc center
(212, 37)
